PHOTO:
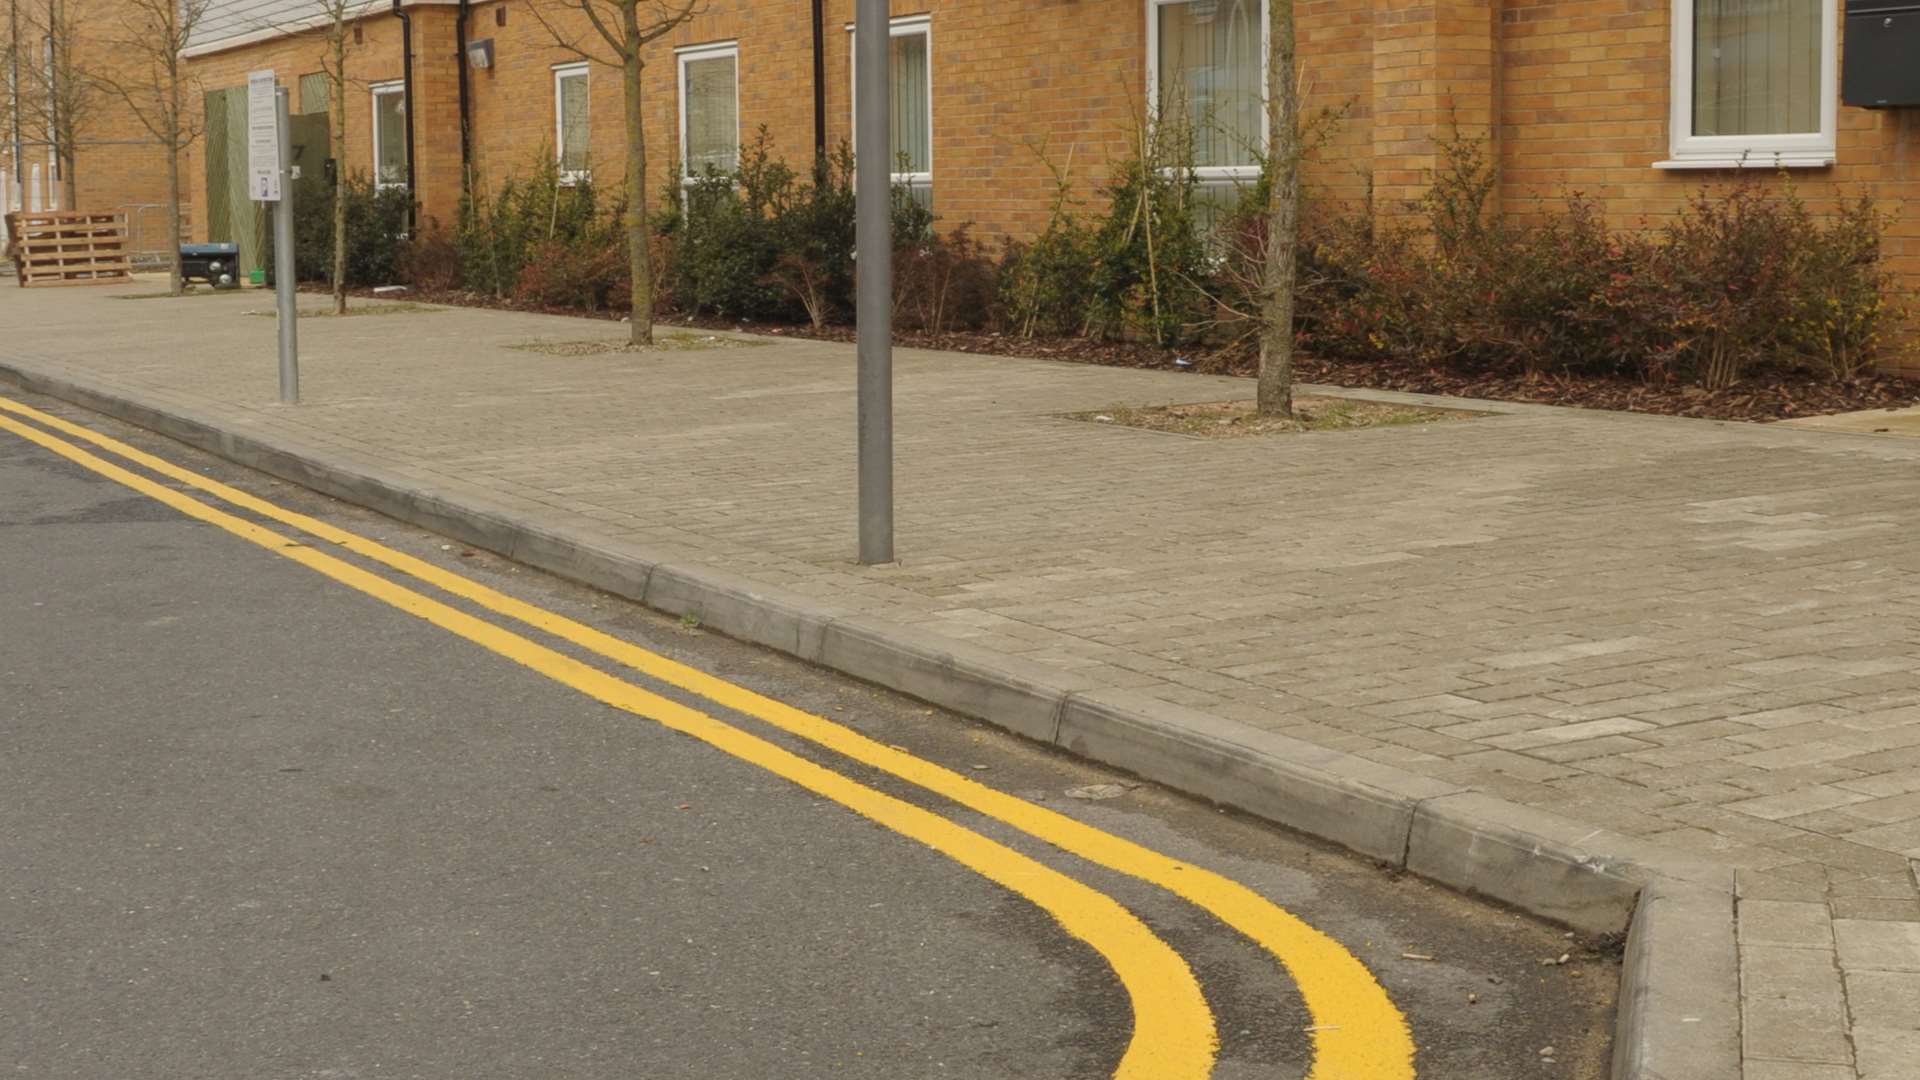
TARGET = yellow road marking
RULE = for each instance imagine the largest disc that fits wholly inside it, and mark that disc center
(1173, 1030)
(1358, 1033)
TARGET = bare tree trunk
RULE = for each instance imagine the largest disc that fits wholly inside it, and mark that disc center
(149, 81)
(176, 284)
(176, 143)
(1274, 396)
(338, 138)
(72, 181)
(617, 24)
(639, 253)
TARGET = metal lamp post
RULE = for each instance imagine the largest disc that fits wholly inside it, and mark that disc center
(873, 260)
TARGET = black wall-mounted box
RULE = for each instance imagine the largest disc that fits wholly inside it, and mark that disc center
(1881, 65)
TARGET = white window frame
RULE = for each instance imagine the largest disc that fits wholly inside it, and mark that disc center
(560, 72)
(682, 57)
(1213, 175)
(1809, 150)
(898, 26)
(376, 91)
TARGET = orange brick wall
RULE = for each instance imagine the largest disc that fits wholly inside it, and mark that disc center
(1584, 107)
(1573, 95)
(376, 59)
(117, 166)
(1068, 81)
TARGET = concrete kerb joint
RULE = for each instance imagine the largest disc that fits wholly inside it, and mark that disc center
(1678, 1015)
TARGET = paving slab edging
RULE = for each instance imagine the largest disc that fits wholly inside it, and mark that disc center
(1678, 1013)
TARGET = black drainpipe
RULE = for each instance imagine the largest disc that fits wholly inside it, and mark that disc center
(406, 89)
(460, 57)
(819, 89)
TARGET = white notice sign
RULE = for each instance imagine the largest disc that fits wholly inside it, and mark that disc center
(263, 138)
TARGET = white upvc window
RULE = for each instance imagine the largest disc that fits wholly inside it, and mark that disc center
(1207, 70)
(709, 109)
(390, 134)
(572, 136)
(909, 102)
(1755, 84)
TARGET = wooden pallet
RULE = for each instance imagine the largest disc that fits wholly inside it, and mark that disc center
(69, 247)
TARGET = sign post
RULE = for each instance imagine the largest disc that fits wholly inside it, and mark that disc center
(873, 272)
(269, 153)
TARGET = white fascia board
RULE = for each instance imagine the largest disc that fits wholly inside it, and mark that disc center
(368, 9)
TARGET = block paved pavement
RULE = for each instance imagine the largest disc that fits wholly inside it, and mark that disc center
(1703, 634)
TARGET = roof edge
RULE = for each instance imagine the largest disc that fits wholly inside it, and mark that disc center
(369, 9)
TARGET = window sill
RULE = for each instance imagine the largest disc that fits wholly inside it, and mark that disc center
(1759, 159)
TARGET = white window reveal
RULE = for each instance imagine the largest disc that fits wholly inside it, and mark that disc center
(572, 145)
(1207, 72)
(390, 134)
(1754, 83)
(709, 109)
(909, 103)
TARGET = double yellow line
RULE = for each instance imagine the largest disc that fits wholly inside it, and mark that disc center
(1357, 1032)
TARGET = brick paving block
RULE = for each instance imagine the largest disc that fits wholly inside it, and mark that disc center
(1901, 837)
(1886, 1053)
(1792, 1005)
(1884, 999)
(1877, 908)
(1787, 923)
(1758, 1069)
(1804, 800)
(1884, 811)
(1567, 733)
(1870, 945)
(1888, 884)
(1588, 749)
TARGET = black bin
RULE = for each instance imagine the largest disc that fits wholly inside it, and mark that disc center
(1881, 63)
(216, 264)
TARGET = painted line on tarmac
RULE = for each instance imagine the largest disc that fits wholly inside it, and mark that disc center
(1173, 1029)
(1358, 1033)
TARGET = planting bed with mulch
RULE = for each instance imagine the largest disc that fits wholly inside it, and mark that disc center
(1236, 419)
(661, 343)
(1762, 397)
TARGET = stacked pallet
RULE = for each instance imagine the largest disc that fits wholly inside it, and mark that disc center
(69, 247)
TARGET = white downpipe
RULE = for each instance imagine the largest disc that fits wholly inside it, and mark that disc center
(33, 192)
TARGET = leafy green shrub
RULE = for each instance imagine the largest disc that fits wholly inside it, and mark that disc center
(1150, 259)
(727, 240)
(378, 220)
(588, 271)
(943, 282)
(763, 243)
(1042, 283)
(1744, 279)
(432, 260)
(498, 233)
(1751, 278)
(814, 260)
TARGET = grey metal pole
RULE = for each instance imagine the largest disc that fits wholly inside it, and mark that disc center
(873, 306)
(283, 261)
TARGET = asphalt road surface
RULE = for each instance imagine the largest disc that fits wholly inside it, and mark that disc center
(272, 806)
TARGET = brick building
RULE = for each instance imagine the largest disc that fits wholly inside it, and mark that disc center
(116, 164)
(1637, 102)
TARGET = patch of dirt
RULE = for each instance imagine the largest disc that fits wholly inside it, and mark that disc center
(192, 291)
(353, 310)
(1236, 419)
(661, 343)
(1763, 397)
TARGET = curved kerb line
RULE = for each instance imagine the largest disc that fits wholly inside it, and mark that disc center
(1173, 1029)
(1358, 1033)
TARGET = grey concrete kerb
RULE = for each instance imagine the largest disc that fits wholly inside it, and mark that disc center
(1679, 1011)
